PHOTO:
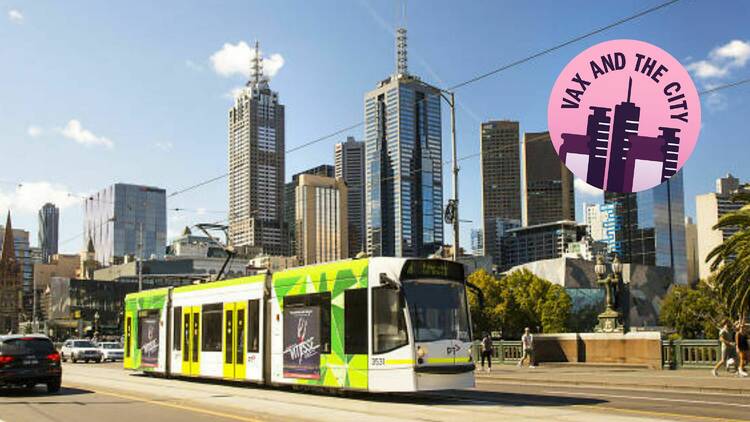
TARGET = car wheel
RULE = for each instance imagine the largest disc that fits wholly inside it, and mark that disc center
(74, 360)
(63, 358)
(54, 386)
(86, 360)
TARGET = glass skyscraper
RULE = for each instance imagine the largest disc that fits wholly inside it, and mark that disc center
(49, 220)
(404, 170)
(114, 217)
(649, 226)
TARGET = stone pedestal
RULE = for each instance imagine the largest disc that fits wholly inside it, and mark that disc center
(609, 322)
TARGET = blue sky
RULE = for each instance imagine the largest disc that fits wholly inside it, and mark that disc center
(93, 93)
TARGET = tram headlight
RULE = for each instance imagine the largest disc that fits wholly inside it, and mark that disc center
(421, 352)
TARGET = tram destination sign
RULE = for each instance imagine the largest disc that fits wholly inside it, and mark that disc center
(433, 268)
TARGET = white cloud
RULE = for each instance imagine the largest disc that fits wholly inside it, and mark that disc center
(584, 189)
(75, 131)
(193, 66)
(721, 60)
(15, 15)
(29, 197)
(34, 131)
(234, 59)
(164, 146)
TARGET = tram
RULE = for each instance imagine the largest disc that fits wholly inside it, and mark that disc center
(372, 324)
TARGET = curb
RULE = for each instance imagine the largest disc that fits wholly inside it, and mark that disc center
(666, 387)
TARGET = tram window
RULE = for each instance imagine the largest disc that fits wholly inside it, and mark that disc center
(355, 322)
(176, 327)
(388, 322)
(323, 301)
(253, 326)
(211, 327)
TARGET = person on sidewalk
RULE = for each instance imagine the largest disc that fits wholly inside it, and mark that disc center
(487, 351)
(725, 339)
(527, 344)
(743, 347)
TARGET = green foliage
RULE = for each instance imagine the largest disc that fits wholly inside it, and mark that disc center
(519, 300)
(584, 319)
(694, 312)
(731, 261)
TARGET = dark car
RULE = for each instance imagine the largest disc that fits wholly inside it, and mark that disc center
(28, 360)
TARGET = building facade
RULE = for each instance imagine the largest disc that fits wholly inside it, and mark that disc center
(594, 219)
(404, 171)
(350, 165)
(11, 282)
(547, 184)
(650, 226)
(126, 220)
(49, 222)
(691, 250)
(322, 226)
(477, 242)
(709, 208)
(256, 166)
(534, 243)
(290, 204)
(501, 181)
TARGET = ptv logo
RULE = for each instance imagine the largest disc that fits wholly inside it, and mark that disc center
(452, 350)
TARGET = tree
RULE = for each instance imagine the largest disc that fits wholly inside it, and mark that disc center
(693, 312)
(519, 300)
(731, 261)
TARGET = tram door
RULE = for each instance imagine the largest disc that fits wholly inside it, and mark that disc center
(191, 336)
(128, 356)
(233, 340)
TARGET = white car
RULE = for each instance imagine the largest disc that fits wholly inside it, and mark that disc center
(76, 350)
(111, 351)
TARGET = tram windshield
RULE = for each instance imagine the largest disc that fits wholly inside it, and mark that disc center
(438, 310)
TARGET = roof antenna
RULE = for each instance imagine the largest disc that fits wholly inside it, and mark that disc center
(630, 87)
(256, 67)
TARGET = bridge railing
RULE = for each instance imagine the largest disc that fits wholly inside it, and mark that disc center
(675, 354)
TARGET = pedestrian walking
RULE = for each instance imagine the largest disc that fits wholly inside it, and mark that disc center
(527, 344)
(487, 351)
(743, 347)
(725, 339)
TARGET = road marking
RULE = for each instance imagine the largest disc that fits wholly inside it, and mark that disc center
(619, 396)
(680, 416)
(167, 404)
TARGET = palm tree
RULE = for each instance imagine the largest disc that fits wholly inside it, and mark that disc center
(731, 260)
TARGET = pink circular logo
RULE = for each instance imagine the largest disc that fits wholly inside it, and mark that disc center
(624, 116)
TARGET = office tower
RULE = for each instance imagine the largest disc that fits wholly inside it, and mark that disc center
(501, 181)
(126, 220)
(612, 226)
(691, 250)
(652, 226)
(477, 242)
(322, 227)
(709, 208)
(547, 183)
(290, 205)
(11, 281)
(49, 220)
(594, 219)
(256, 166)
(535, 243)
(350, 166)
(404, 173)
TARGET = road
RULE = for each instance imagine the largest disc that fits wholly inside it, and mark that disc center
(104, 392)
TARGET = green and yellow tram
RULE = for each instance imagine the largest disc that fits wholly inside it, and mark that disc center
(374, 324)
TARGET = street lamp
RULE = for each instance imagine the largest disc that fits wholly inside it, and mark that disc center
(610, 320)
(451, 210)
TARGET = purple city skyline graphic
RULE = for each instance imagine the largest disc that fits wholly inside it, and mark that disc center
(628, 156)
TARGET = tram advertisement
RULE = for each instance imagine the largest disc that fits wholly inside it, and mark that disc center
(149, 336)
(302, 342)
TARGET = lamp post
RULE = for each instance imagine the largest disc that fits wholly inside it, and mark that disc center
(610, 321)
(451, 210)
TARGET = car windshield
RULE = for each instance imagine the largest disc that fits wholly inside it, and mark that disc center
(83, 343)
(21, 346)
(438, 310)
(111, 346)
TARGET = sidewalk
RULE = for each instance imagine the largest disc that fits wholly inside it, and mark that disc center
(687, 380)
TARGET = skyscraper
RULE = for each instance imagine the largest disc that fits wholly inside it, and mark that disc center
(501, 182)
(256, 166)
(709, 208)
(404, 173)
(49, 220)
(547, 183)
(477, 242)
(290, 205)
(322, 226)
(117, 218)
(594, 218)
(350, 166)
(652, 226)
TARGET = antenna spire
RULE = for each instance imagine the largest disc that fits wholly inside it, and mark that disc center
(630, 87)
(256, 67)
(402, 67)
